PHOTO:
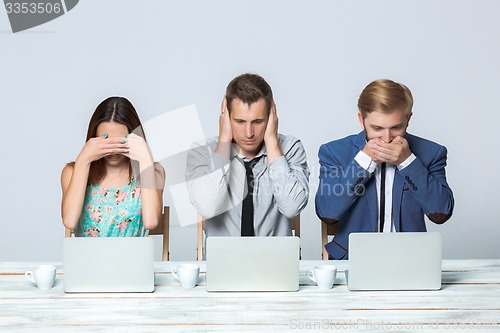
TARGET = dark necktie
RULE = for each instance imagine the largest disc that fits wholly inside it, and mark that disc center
(247, 207)
(382, 197)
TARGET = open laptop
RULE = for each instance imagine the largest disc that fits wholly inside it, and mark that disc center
(108, 264)
(394, 261)
(252, 263)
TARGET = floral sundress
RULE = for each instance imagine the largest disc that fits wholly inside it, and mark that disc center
(111, 212)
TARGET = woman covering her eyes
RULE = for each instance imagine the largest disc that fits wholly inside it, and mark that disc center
(114, 187)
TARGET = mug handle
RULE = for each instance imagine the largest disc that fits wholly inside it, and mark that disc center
(310, 274)
(174, 273)
(29, 276)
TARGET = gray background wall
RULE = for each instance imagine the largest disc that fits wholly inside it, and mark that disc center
(317, 56)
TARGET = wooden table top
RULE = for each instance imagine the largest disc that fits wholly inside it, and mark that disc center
(469, 299)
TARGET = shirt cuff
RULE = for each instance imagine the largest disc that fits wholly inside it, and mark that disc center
(407, 162)
(365, 161)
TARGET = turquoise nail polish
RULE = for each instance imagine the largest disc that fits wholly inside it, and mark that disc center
(124, 141)
(105, 135)
(126, 135)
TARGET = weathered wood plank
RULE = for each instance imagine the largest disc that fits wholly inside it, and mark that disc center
(470, 298)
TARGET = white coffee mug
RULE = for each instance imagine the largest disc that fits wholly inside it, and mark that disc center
(43, 276)
(186, 274)
(323, 275)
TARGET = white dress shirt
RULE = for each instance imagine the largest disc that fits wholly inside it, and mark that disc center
(369, 165)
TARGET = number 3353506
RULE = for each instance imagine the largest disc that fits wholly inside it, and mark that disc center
(32, 8)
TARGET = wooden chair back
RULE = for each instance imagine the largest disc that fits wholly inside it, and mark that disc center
(163, 228)
(327, 230)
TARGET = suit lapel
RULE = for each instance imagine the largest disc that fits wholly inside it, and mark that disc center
(397, 192)
(397, 195)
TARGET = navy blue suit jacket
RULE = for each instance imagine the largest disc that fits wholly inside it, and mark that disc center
(347, 193)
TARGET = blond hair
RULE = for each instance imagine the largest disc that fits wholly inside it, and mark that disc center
(385, 96)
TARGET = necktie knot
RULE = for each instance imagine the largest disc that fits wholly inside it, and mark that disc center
(249, 165)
